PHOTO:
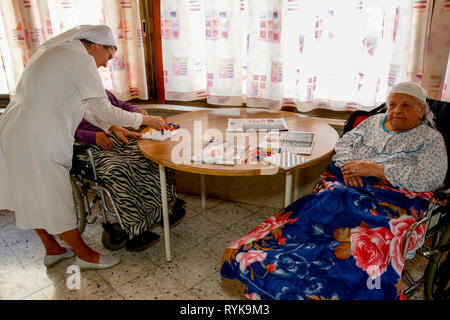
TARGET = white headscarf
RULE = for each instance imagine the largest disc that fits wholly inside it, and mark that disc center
(416, 91)
(100, 34)
(412, 89)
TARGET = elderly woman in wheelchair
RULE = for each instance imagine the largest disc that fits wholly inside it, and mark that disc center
(131, 182)
(347, 240)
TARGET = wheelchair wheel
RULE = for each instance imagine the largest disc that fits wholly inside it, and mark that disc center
(113, 237)
(437, 273)
(80, 211)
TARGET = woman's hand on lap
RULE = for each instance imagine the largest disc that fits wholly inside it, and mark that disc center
(103, 141)
(123, 133)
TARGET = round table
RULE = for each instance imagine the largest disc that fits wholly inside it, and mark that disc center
(197, 127)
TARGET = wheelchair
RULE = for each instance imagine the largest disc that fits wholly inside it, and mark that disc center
(84, 180)
(436, 243)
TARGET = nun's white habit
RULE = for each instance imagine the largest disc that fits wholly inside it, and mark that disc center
(38, 126)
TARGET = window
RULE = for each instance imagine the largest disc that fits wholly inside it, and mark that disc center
(30, 23)
(339, 55)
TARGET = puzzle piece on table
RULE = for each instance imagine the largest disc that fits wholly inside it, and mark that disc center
(153, 134)
(285, 160)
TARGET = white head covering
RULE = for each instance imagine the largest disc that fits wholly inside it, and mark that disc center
(100, 34)
(420, 94)
(411, 89)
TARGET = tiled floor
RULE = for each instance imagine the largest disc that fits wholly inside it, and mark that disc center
(193, 274)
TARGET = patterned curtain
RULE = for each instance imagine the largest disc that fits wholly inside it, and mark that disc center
(339, 55)
(25, 24)
(436, 74)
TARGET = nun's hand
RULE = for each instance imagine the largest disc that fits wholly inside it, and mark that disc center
(123, 133)
(154, 122)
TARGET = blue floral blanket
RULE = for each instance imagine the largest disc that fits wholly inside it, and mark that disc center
(339, 242)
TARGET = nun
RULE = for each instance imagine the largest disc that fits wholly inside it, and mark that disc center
(37, 134)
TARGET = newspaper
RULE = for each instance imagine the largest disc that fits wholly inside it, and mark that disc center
(292, 141)
(268, 124)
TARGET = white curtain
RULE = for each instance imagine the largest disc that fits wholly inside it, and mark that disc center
(24, 25)
(340, 55)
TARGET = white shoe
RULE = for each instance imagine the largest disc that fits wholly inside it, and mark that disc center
(104, 262)
(54, 259)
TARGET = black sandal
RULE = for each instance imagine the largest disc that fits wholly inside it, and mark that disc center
(142, 241)
(178, 212)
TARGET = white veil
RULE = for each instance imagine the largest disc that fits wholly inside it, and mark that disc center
(100, 34)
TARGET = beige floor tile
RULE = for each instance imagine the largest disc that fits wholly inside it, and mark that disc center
(8, 260)
(188, 295)
(16, 284)
(263, 211)
(36, 296)
(215, 245)
(192, 267)
(195, 203)
(25, 244)
(226, 214)
(247, 224)
(190, 213)
(197, 229)
(94, 230)
(131, 266)
(113, 295)
(217, 288)
(178, 244)
(156, 284)
(92, 286)
(44, 276)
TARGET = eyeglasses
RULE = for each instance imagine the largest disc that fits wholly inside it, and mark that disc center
(111, 54)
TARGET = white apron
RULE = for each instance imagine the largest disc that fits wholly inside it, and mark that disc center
(36, 136)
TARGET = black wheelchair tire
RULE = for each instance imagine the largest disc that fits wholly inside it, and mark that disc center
(436, 272)
(80, 211)
(107, 241)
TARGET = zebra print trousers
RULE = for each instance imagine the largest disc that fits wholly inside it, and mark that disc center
(133, 182)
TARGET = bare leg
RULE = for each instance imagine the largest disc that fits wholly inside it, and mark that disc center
(82, 250)
(52, 247)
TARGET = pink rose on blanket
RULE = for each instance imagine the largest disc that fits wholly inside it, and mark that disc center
(370, 248)
(253, 296)
(247, 258)
(262, 230)
(399, 227)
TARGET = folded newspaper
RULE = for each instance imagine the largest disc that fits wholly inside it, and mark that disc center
(292, 141)
(268, 124)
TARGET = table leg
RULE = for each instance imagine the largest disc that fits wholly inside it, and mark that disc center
(296, 184)
(165, 211)
(203, 190)
(288, 189)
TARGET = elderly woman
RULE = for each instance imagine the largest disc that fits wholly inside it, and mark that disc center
(37, 135)
(397, 146)
(131, 179)
(346, 240)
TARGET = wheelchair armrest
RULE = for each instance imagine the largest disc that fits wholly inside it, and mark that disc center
(442, 194)
(79, 146)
